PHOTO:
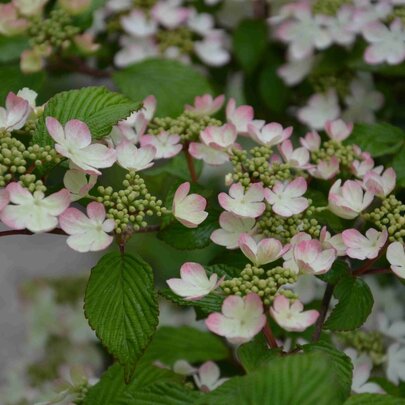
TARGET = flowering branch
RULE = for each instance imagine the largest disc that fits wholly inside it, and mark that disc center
(327, 296)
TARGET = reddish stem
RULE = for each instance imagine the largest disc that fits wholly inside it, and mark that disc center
(190, 164)
(327, 296)
(363, 269)
(268, 334)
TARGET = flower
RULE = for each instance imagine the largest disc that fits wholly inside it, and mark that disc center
(310, 257)
(169, 14)
(206, 105)
(133, 52)
(166, 145)
(362, 366)
(338, 130)
(361, 167)
(31, 61)
(16, 113)
(132, 158)
(266, 251)
(297, 158)
(320, 109)
(208, 154)
(335, 241)
(34, 211)
(10, 23)
(232, 226)
(220, 138)
(396, 258)
(291, 317)
(294, 71)
(245, 203)
(325, 169)
(188, 209)
(311, 141)
(194, 282)
(386, 44)
(286, 198)
(269, 135)
(380, 184)
(240, 117)
(30, 8)
(364, 247)
(75, 7)
(207, 377)
(349, 200)
(74, 142)
(78, 185)
(241, 318)
(4, 198)
(211, 49)
(339, 26)
(137, 24)
(396, 363)
(87, 233)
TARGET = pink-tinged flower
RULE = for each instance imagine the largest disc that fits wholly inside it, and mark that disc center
(286, 199)
(10, 23)
(339, 26)
(132, 158)
(166, 145)
(386, 44)
(291, 316)
(206, 105)
(75, 7)
(349, 200)
(320, 109)
(295, 71)
(208, 154)
(188, 209)
(396, 258)
(380, 184)
(338, 130)
(208, 378)
(211, 50)
(30, 8)
(170, 14)
(325, 169)
(240, 116)
(232, 226)
(4, 198)
(31, 61)
(361, 167)
(336, 241)
(133, 52)
(77, 183)
(311, 258)
(247, 203)
(138, 24)
(34, 212)
(88, 233)
(297, 158)
(200, 23)
(269, 135)
(30, 96)
(241, 318)
(364, 247)
(266, 251)
(194, 282)
(16, 113)
(74, 142)
(219, 137)
(311, 141)
(85, 43)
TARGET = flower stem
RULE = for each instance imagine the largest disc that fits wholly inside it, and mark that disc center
(268, 334)
(190, 164)
(363, 269)
(327, 296)
(14, 232)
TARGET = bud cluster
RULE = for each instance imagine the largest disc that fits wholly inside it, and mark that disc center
(180, 38)
(345, 153)
(144, 4)
(328, 7)
(264, 283)
(340, 81)
(130, 206)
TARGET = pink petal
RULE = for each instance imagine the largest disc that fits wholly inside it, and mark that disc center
(77, 133)
(96, 211)
(55, 129)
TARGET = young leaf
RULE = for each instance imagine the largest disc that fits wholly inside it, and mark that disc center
(121, 306)
(172, 83)
(339, 270)
(185, 343)
(98, 107)
(374, 399)
(354, 306)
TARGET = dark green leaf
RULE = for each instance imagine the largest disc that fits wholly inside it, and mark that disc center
(121, 306)
(399, 166)
(228, 272)
(98, 107)
(339, 270)
(172, 83)
(12, 47)
(374, 399)
(354, 306)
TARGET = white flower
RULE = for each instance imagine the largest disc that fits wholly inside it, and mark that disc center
(165, 144)
(396, 258)
(380, 184)
(297, 158)
(211, 50)
(16, 113)
(364, 247)
(77, 183)
(132, 158)
(137, 24)
(295, 71)
(207, 377)
(396, 363)
(269, 135)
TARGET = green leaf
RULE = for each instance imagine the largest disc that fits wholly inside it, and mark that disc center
(172, 83)
(339, 270)
(185, 343)
(378, 139)
(294, 380)
(121, 306)
(249, 43)
(374, 399)
(98, 107)
(340, 363)
(399, 166)
(182, 238)
(354, 306)
(12, 47)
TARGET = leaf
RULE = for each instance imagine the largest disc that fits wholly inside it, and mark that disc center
(182, 238)
(304, 379)
(339, 270)
(185, 343)
(378, 139)
(172, 83)
(399, 166)
(354, 306)
(340, 363)
(12, 47)
(98, 107)
(374, 399)
(161, 394)
(249, 43)
(121, 306)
